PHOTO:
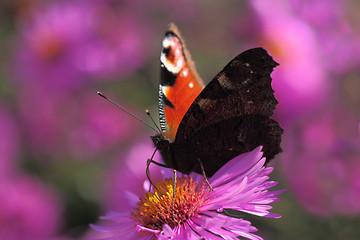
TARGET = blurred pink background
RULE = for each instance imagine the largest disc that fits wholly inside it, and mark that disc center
(67, 156)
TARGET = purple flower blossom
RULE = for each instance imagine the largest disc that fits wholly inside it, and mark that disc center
(69, 43)
(84, 125)
(322, 163)
(28, 209)
(99, 127)
(241, 185)
(338, 36)
(320, 14)
(301, 82)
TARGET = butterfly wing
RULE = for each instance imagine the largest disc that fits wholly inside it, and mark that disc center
(180, 83)
(230, 116)
(220, 142)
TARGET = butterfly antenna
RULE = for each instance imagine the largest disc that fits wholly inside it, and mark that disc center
(148, 113)
(117, 105)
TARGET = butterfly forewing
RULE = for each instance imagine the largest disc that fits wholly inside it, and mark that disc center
(242, 87)
(231, 115)
(180, 83)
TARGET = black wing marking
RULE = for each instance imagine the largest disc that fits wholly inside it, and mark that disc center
(242, 87)
(230, 116)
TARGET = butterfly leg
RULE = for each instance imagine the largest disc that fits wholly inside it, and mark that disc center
(204, 175)
(149, 161)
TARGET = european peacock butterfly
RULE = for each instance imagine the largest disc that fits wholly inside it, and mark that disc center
(230, 116)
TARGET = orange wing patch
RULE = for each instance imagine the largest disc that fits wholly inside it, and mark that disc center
(180, 83)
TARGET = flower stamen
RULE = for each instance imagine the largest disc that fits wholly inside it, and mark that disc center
(159, 208)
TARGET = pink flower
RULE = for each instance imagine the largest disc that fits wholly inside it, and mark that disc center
(65, 45)
(300, 83)
(322, 163)
(320, 14)
(339, 36)
(28, 210)
(83, 125)
(241, 185)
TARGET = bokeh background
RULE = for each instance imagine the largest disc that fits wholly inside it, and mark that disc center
(67, 156)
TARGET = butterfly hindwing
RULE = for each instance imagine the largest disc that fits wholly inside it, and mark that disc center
(220, 142)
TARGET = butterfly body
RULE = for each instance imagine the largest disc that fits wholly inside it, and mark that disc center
(230, 116)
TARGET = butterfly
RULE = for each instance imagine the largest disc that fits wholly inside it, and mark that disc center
(208, 126)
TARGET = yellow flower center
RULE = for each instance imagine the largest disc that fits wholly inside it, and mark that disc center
(157, 209)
